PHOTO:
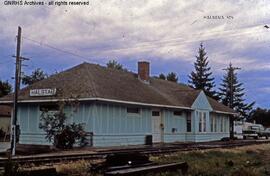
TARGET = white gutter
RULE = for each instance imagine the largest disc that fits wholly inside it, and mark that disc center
(110, 100)
(99, 99)
(222, 112)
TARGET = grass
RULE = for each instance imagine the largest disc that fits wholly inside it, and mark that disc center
(247, 161)
(81, 167)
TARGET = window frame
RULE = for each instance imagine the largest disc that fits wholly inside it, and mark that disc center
(133, 113)
(221, 124)
(153, 111)
(189, 123)
(202, 121)
(177, 113)
(213, 123)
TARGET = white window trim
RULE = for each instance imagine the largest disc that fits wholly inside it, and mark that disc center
(202, 124)
(213, 124)
(221, 124)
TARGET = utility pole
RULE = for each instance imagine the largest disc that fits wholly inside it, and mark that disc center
(19, 60)
(14, 120)
(231, 70)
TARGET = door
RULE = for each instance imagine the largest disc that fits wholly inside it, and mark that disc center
(156, 128)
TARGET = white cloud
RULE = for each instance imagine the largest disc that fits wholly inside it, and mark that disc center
(162, 29)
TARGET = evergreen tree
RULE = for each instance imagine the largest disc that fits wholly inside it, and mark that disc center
(5, 88)
(232, 93)
(172, 77)
(201, 78)
(162, 76)
(37, 75)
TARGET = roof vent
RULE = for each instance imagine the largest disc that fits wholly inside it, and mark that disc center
(143, 71)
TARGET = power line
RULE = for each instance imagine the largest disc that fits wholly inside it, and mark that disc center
(175, 42)
(55, 48)
(224, 33)
(152, 44)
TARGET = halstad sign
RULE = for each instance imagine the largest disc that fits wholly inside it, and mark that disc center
(42, 92)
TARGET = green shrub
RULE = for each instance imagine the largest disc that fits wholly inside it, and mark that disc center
(62, 135)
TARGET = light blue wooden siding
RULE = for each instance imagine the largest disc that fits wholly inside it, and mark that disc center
(177, 122)
(174, 121)
(29, 118)
(201, 102)
(114, 126)
(82, 114)
(211, 136)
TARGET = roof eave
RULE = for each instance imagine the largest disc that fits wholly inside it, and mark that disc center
(99, 99)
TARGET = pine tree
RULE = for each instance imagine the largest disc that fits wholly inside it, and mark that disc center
(201, 78)
(232, 93)
(172, 77)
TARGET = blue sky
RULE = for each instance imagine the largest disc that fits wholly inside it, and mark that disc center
(166, 33)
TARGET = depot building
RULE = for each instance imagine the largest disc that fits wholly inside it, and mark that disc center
(122, 108)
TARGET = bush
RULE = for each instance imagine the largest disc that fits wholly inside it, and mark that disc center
(62, 135)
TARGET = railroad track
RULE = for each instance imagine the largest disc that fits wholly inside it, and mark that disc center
(155, 150)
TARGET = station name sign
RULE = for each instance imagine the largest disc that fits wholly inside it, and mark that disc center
(42, 92)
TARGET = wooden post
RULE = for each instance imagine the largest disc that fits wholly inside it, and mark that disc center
(17, 87)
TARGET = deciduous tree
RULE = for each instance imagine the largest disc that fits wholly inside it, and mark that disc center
(113, 64)
(162, 76)
(172, 77)
(5, 88)
(37, 75)
(58, 131)
(260, 116)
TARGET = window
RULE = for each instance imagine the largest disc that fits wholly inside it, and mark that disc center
(221, 124)
(133, 110)
(189, 123)
(47, 108)
(177, 113)
(213, 124)
(202, 121)
(155, 113)
(225, 124)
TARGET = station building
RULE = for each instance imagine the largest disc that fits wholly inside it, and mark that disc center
(122, 108)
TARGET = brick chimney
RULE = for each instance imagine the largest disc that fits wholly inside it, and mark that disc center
(143, 71)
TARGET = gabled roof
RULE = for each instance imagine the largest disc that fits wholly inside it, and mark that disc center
(90, 81)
